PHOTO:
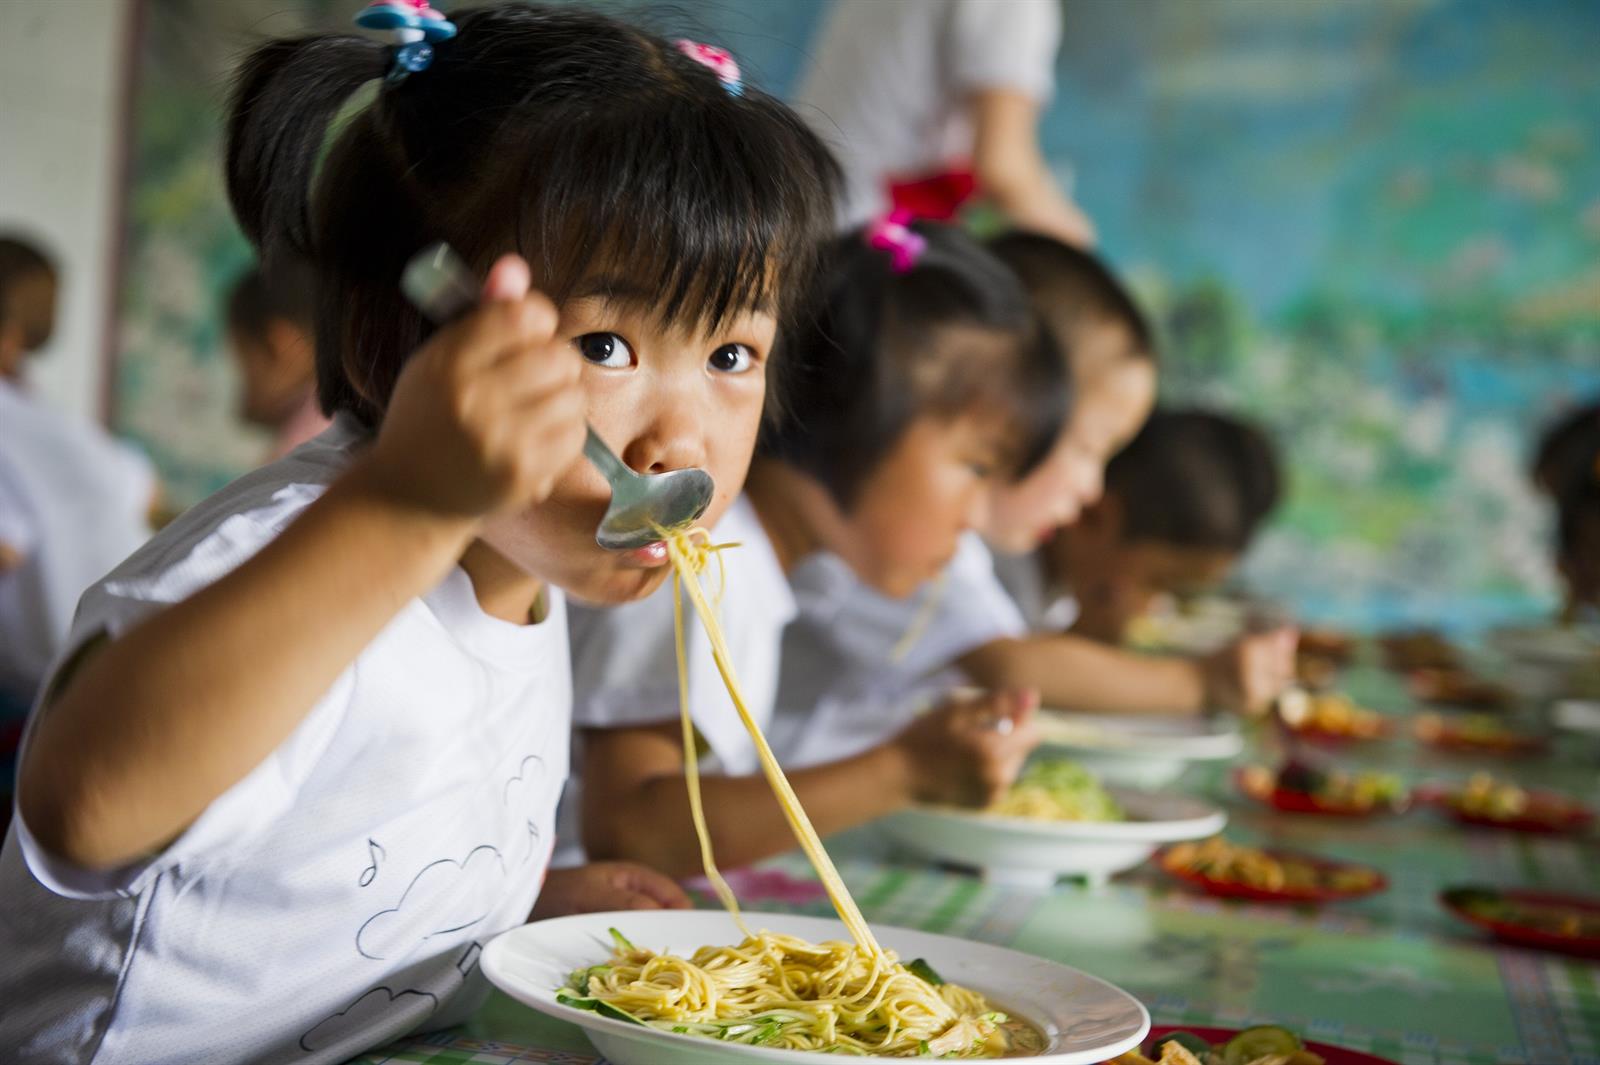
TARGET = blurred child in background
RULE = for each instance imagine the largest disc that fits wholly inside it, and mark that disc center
(1567, 469)
(1182, 501)
(922, 383)
(855, 647)
(272, 336)
(73, 501)
(934, 104)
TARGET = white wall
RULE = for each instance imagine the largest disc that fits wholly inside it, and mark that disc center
(62, 69)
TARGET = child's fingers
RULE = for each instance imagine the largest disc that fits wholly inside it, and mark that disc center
(552, 428)
(535, 370)
(508, 279)
(662, 890)
(498, 331)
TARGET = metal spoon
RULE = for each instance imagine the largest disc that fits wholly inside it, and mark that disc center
(642, 507)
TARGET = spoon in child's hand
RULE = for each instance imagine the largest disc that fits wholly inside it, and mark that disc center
(642, 507)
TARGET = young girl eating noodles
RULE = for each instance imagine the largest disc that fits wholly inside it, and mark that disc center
(303, 757)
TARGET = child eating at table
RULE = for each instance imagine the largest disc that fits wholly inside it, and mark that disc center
(303, 757)
(922, 383)
(1182, 501)
(851, 648)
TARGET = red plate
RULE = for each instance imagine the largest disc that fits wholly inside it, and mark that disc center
(1501, 743)
(1217, 1036)
(1339, 739)
(1453, 899)
(1547, 813)
(1298, 802)
(1229, 889)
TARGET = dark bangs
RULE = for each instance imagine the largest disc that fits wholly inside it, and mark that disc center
(951, 336)
(692, 207)
(616, 165)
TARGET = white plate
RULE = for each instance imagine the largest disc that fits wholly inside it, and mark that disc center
(1576, 715)
(1084, 1019)
(1029, 852)
(1138, 751)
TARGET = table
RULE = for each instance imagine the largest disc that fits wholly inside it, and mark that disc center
(1392, 974)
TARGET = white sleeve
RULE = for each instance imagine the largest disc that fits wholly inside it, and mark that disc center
(1005, 44)
(231, 823)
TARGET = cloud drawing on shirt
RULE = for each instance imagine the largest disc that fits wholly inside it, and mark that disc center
(445, 896)
(369, 1016)
(522, 791)
(523, 795)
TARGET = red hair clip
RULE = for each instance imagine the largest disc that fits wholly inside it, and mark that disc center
(720, 60)
(893, 233)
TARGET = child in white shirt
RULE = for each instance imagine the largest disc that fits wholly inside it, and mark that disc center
(303, 757)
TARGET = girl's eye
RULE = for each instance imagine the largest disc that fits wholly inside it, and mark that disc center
(732, 358)
(605, 349)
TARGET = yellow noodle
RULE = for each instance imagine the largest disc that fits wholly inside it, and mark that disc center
(773, 989)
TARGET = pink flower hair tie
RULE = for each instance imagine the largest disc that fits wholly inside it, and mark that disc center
(720, 60)
(893, 233)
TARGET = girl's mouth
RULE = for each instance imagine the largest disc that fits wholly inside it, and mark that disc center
(650, 555)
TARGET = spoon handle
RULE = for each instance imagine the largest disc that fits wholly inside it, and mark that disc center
(439, 284)
(605, 460)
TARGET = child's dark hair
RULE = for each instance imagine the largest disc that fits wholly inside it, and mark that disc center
(1192, 478)
(1071, 286)
(951, 334)
(1567, 450)
(616, 165)
(260, 297)
(21, 259)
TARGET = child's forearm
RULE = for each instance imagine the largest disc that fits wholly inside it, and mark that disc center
(157, 724)
(1075, 673)
(652, 824)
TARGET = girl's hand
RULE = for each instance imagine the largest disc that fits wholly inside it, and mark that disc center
(488, 414)
(601, 886)
(970, 750)
(1249, 674)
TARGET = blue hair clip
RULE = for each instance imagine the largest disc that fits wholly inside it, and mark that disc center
(415, 25)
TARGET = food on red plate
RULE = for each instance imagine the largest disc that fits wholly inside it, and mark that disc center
(1307, 788)
(1331, 716)
(1458, 687)
(1473, 732)
(1218, 865)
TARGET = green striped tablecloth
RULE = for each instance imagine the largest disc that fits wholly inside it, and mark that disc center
(1393, 975)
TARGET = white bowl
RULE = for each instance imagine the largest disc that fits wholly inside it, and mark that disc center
(1027, 852)
(1084, 1019)
(1140, 752)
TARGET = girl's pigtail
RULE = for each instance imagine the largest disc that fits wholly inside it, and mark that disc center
(285, 96)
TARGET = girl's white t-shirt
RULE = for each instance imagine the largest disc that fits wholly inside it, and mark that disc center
(858, 664)
(339, 895)
(890, 83)
(625, 666)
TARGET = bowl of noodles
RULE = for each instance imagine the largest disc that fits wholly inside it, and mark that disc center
(672, 987)
(1057, 820)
